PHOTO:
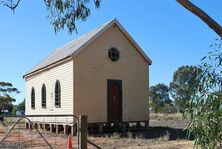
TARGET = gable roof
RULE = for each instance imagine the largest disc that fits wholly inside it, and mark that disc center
(76, 46)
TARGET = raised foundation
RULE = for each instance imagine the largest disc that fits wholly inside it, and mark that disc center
(118, 127)
(100, 128)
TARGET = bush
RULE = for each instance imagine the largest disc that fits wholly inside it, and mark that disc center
(168, 108)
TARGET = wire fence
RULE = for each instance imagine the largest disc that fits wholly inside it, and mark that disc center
(38, 131)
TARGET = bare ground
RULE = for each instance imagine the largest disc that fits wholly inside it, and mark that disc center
(111, 143)
(114, 142)
(164, 133)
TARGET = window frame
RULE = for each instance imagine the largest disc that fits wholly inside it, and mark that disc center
(57, 92)
(43, 96)
(33, 98)
(113, 56)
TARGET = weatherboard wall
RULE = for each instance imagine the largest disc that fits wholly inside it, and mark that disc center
(63, 73)
(93, 68)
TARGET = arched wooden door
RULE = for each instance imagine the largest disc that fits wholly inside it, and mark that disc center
(114, 100)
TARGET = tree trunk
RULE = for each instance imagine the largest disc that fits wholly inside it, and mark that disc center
(202, 15)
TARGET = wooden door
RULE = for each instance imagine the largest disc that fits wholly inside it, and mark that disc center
(114, 100)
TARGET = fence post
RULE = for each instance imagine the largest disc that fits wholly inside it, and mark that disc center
(83, 126)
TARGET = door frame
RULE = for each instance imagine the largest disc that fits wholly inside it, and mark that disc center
(119, 83)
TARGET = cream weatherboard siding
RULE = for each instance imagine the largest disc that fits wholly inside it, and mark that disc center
(83, 68)
(63, 73)
(93, 68)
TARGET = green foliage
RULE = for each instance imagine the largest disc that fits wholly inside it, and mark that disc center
(184, 84)
(6, 95)
(159, 96)
(205, 108)
(168, 108)
(65, 13)
(62, 13)
(19, 107)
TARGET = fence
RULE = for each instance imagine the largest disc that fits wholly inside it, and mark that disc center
(43, 131)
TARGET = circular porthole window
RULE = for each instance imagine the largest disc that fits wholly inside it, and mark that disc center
(113, 54)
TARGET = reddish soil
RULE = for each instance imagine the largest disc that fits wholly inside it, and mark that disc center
(162, 135)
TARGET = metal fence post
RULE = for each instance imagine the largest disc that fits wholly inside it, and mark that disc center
(83, 126)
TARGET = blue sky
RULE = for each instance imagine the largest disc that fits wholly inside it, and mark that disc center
(169, 34)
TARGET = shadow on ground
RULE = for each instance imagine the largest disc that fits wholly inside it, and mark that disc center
(154, 132)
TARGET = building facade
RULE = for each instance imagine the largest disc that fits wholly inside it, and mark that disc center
(103, 74)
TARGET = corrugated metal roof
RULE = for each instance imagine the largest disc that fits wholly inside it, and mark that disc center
(75, 46)
(67, 50)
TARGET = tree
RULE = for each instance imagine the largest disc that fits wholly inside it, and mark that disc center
(19, 107)
(202, 15)
(205, 107)
(185, 81)
(6, 96)
(62, 13)
(159, 95)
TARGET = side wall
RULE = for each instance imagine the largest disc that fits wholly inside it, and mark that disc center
(93, 68)
(63, 73)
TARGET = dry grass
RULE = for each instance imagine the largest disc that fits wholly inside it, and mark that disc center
(139, 143)
(168, 120)
(178, 144)
(165, 116)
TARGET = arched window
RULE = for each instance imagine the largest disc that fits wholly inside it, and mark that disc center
(43, 96)
(33, 98)
(57, 94)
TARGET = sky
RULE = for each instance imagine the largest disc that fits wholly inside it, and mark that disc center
(169, 34)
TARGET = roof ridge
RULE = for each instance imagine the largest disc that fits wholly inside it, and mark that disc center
(74, 47)
(70, 45)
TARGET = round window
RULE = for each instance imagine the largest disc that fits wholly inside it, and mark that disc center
(113, 54)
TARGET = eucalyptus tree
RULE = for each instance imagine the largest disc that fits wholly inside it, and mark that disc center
(216, 27)
(61, 13)
(159, 96)
(7, 93)
(183, 85)
(205, 106)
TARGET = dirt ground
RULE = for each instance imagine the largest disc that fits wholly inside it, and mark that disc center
(19, 141)
(122, 143)
(163, 134)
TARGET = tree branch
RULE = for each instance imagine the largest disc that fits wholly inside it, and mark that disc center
(10, 4)
(202, 15)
